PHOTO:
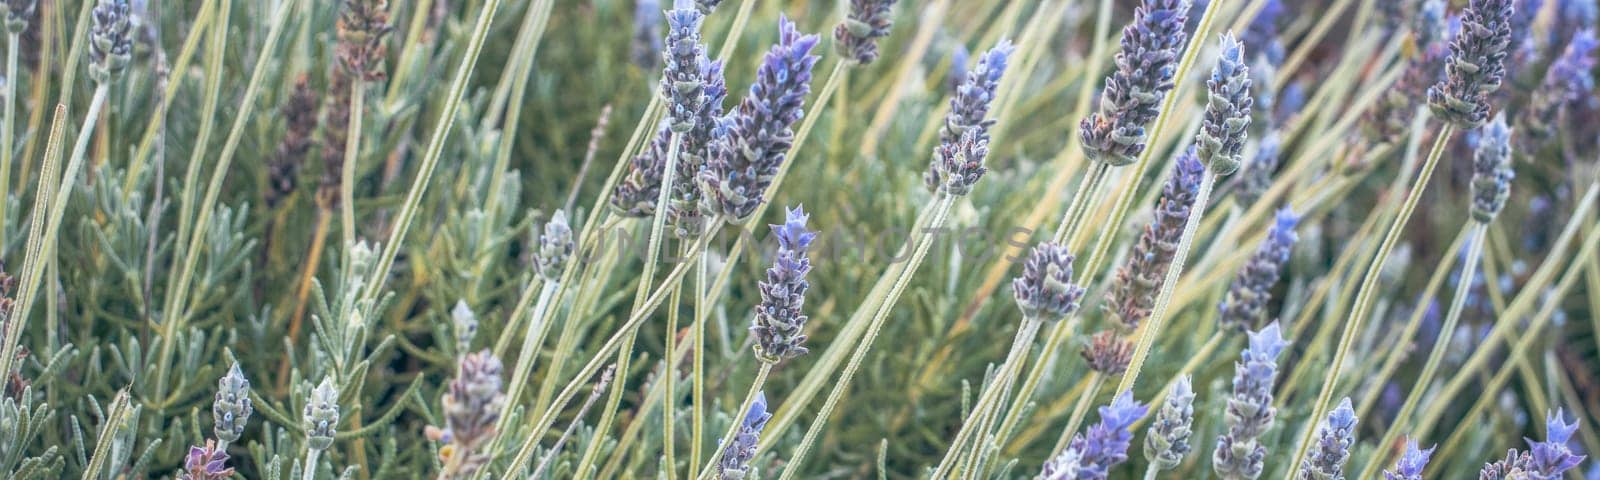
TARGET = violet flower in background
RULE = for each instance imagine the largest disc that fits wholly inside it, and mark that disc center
(1491, 170)
(779, 324)
(1568, 82)
(1133, 293)
(1476, 65)
(1245, 306)
(1132, 95)
(1256, 178)
(206, 463)
(555, 247)
(1546, 460)
(856, 37)
(231, 407)
(1410, 464)
(646, 47)
(957, 76)
(1093, 454)
(1389, 119)
(735, 460)
(1335, 435)
(1167, 440)
(1045, 292)
(968, 117)
(1223, 130)
(751, 142)
(1239, 455)
(1262, 33)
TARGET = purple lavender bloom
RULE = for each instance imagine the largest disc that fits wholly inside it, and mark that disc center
(957, 76)
(1491, 170)
(1045, 291)
(555, 247)
(110, 40)
(1133, 93)
(750, 143)
(1551, 458)
(1223, 131)
(1250, 413)
(231, 408)
(958, 166)
(1289, 102)
(1093, 454)
(1572, 16)
(1134, 292)
(779, 325)
(1245, 306)
(1257, 176)
(1167, 441)
(736, 455)
(206, 463)
(1336, 434)
(1411, 463)
(1476, 66)
(1262, 32)
(472, 405)
(682, 78)
(1568, 82)
(1108, 353)
(646, 47)
(969, 112)
(856, 37)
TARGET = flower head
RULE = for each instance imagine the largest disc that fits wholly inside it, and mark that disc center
(1411, 463)
(1551, 457)
(1093, 454)
(1133, 294)
(681, 81)
(1045, 291)
(1262, 33)
(856, 37)
(1108, 353)
(750, 144)
(958, 166)
(321, 415)
(110, 40)
(555, 247)
(362, 26)
(231, 408)
(968, 116)
(1239, 456)
(1227, 117)
(736, 455)
(1390, 117)
(17, 14)
(1334, 438)
(473, 403)
(779, 325)
(1134, 91)
(1246, 303)
(206, 463)
(1491, 170)
(1568, 82)
(1476, 65)
(1167, 441)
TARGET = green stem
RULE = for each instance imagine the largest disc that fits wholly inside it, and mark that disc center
(978, 420)
(1366, 296)
(1169, 282)
(352, 154)
(532, 338)
(6, 126)
(698, 396)
(310, 471)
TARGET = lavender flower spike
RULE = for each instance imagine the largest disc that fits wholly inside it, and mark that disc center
(1550, 458)
(1570, 78)
(779, 325)
(1411, 463)
(1491, 170)
(1093, 454)
(646, 47)
(681, 81)
(1133, 294)
(1167, 441)
(1133, 93)
(1108, 353)
(1250, 413)
(736, 455)
(110, 40)
(1045, 291)
(231, 408)
(749, 145)
(321, 415)
(555, 247)
(472, 405)
(17, 14)
(969, 113)
(206, 463)
(1334, 438)
(1246, 303)
(856, 37)
(1227, 117)
(1476, 65)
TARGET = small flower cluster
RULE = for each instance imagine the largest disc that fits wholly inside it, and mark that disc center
(645, 50)
(1245, 306)
(1491, 170)
(206, 463)
(321, 416)
(1227, 117)
(1476, 66)
(1568, 82)
(1108, 353)
(1093, 454)
(555, 247)
(1547, 460)
(1133, 294)
(734, 464)
(1045, 292)
(1167, 441)
(472, 405)
(17, 14)
(1410, 464)
(231, 408)
(1335, 435)
(856, 37)
(362, 26)
(1133, 93)
(964, 138)
(1239, 456)
(1387, 120)
(779, 325)
(110, 40)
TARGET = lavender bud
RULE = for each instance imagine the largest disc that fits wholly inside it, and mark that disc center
(1245, 306)
(1108, 353)
(681, 80)
(1133, 93)
(231, 408)
(1168, 439)
(1551, 458)
(110, 40)
(960, 164)
(1336, 434)
(1476, 66)
(17, 14)
(646, 47)
(779, 325)
(472, 405)
(1568, 82)
(856, 37)
(736, 455)
(1093, 454)
(969, 112)
(206, 463)
(555, 247)
(750, 144)
(465, 323)
(1411, 463)
(1045, 291)
(1257, 177)
(1491, 170)
(1250, 413)
(321, 415)
(1222, 133)
(1133, 294)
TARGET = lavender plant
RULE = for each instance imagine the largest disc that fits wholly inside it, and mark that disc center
(1239, 453)
(1133, 93)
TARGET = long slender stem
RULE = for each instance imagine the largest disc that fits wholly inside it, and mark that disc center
(1158, 316)
(11, 331)
(310, 470)
(1366, 296)
(532, 338)
(7, 124)
(940, 210)
(1435, 356)
(976, 422)
(698, 396)
(352, 155)
(738, 419)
